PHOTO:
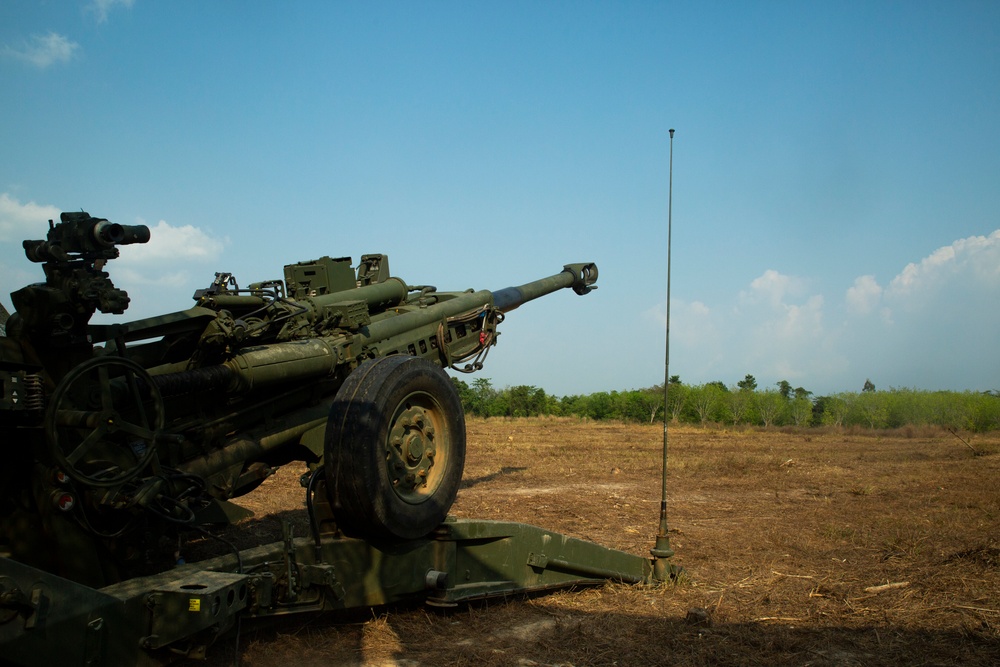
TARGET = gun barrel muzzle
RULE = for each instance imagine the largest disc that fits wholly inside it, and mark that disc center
(580, 277)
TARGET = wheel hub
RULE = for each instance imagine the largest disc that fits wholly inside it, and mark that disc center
(411, 452)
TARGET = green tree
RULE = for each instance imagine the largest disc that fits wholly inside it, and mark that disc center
(800, 410)
(573, 405)
(869, 386)
(653, 400)
(769, 404)
(524, 401)
(837, 408)
(553, 406)
(738, 403)
(465, 395)
(749, 383)
(873, 409)
(818, 406)
(678, 396)
(600, 405)
(639, 405)
(482, 398)
(707, 400)
(983, 411)
(785, 389)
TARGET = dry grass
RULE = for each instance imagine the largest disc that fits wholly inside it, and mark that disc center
(788, 538)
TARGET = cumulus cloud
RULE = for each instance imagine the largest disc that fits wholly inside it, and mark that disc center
(43, 50)
(934, 326)
(103, 7)
(159, 276)
(775, 329)
(693, 321)
(976, 258)
(967, 266)
(773, 288)
(162, 274)
(779, 326)
(798, 321)
(938, 320)
(863, 296)
(22, 221)
(168, 245)
(172, 245)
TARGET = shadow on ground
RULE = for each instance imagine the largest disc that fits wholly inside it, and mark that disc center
(530, 632)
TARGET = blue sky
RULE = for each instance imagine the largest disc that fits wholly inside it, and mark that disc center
(836, 208)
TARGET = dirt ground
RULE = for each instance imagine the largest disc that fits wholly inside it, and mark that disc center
(803, 547)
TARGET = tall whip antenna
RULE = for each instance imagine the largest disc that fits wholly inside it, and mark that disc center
(661, 570)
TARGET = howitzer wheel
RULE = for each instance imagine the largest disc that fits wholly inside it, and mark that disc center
(395, 448)
(102, 420)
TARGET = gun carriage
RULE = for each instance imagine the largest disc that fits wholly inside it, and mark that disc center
(122, 440)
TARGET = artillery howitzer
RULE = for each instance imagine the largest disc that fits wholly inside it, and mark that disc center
(122, 440)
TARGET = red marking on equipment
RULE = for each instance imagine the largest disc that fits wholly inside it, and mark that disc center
(65, 501)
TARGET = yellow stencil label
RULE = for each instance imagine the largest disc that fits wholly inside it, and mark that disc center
(194, 604)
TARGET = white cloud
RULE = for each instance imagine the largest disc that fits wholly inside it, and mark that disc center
(43, 50)
(168, 244)
(772, 288)
(802, 320)
(775, 332)
(933, 327)
(172, 245)
(161, 275)
(976, 258)
(160, 271)
(103, 7)
(24, 221)
(886, 315)
(950, 275)
(773, 294)
(863, 296)
(779, 337)
(693, 322)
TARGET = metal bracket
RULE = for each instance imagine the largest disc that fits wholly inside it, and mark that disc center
(322, 575)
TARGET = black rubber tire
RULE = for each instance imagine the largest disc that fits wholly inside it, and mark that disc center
(395, 449)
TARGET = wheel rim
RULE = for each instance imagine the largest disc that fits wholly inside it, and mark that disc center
(394, 449)
(417, 448)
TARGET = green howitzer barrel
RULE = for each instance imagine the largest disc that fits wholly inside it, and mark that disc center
(396, 324)
(581, 277)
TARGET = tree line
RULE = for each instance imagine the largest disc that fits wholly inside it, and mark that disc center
(744, 404)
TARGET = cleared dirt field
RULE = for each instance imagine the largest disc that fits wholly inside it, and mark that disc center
(802, 548)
